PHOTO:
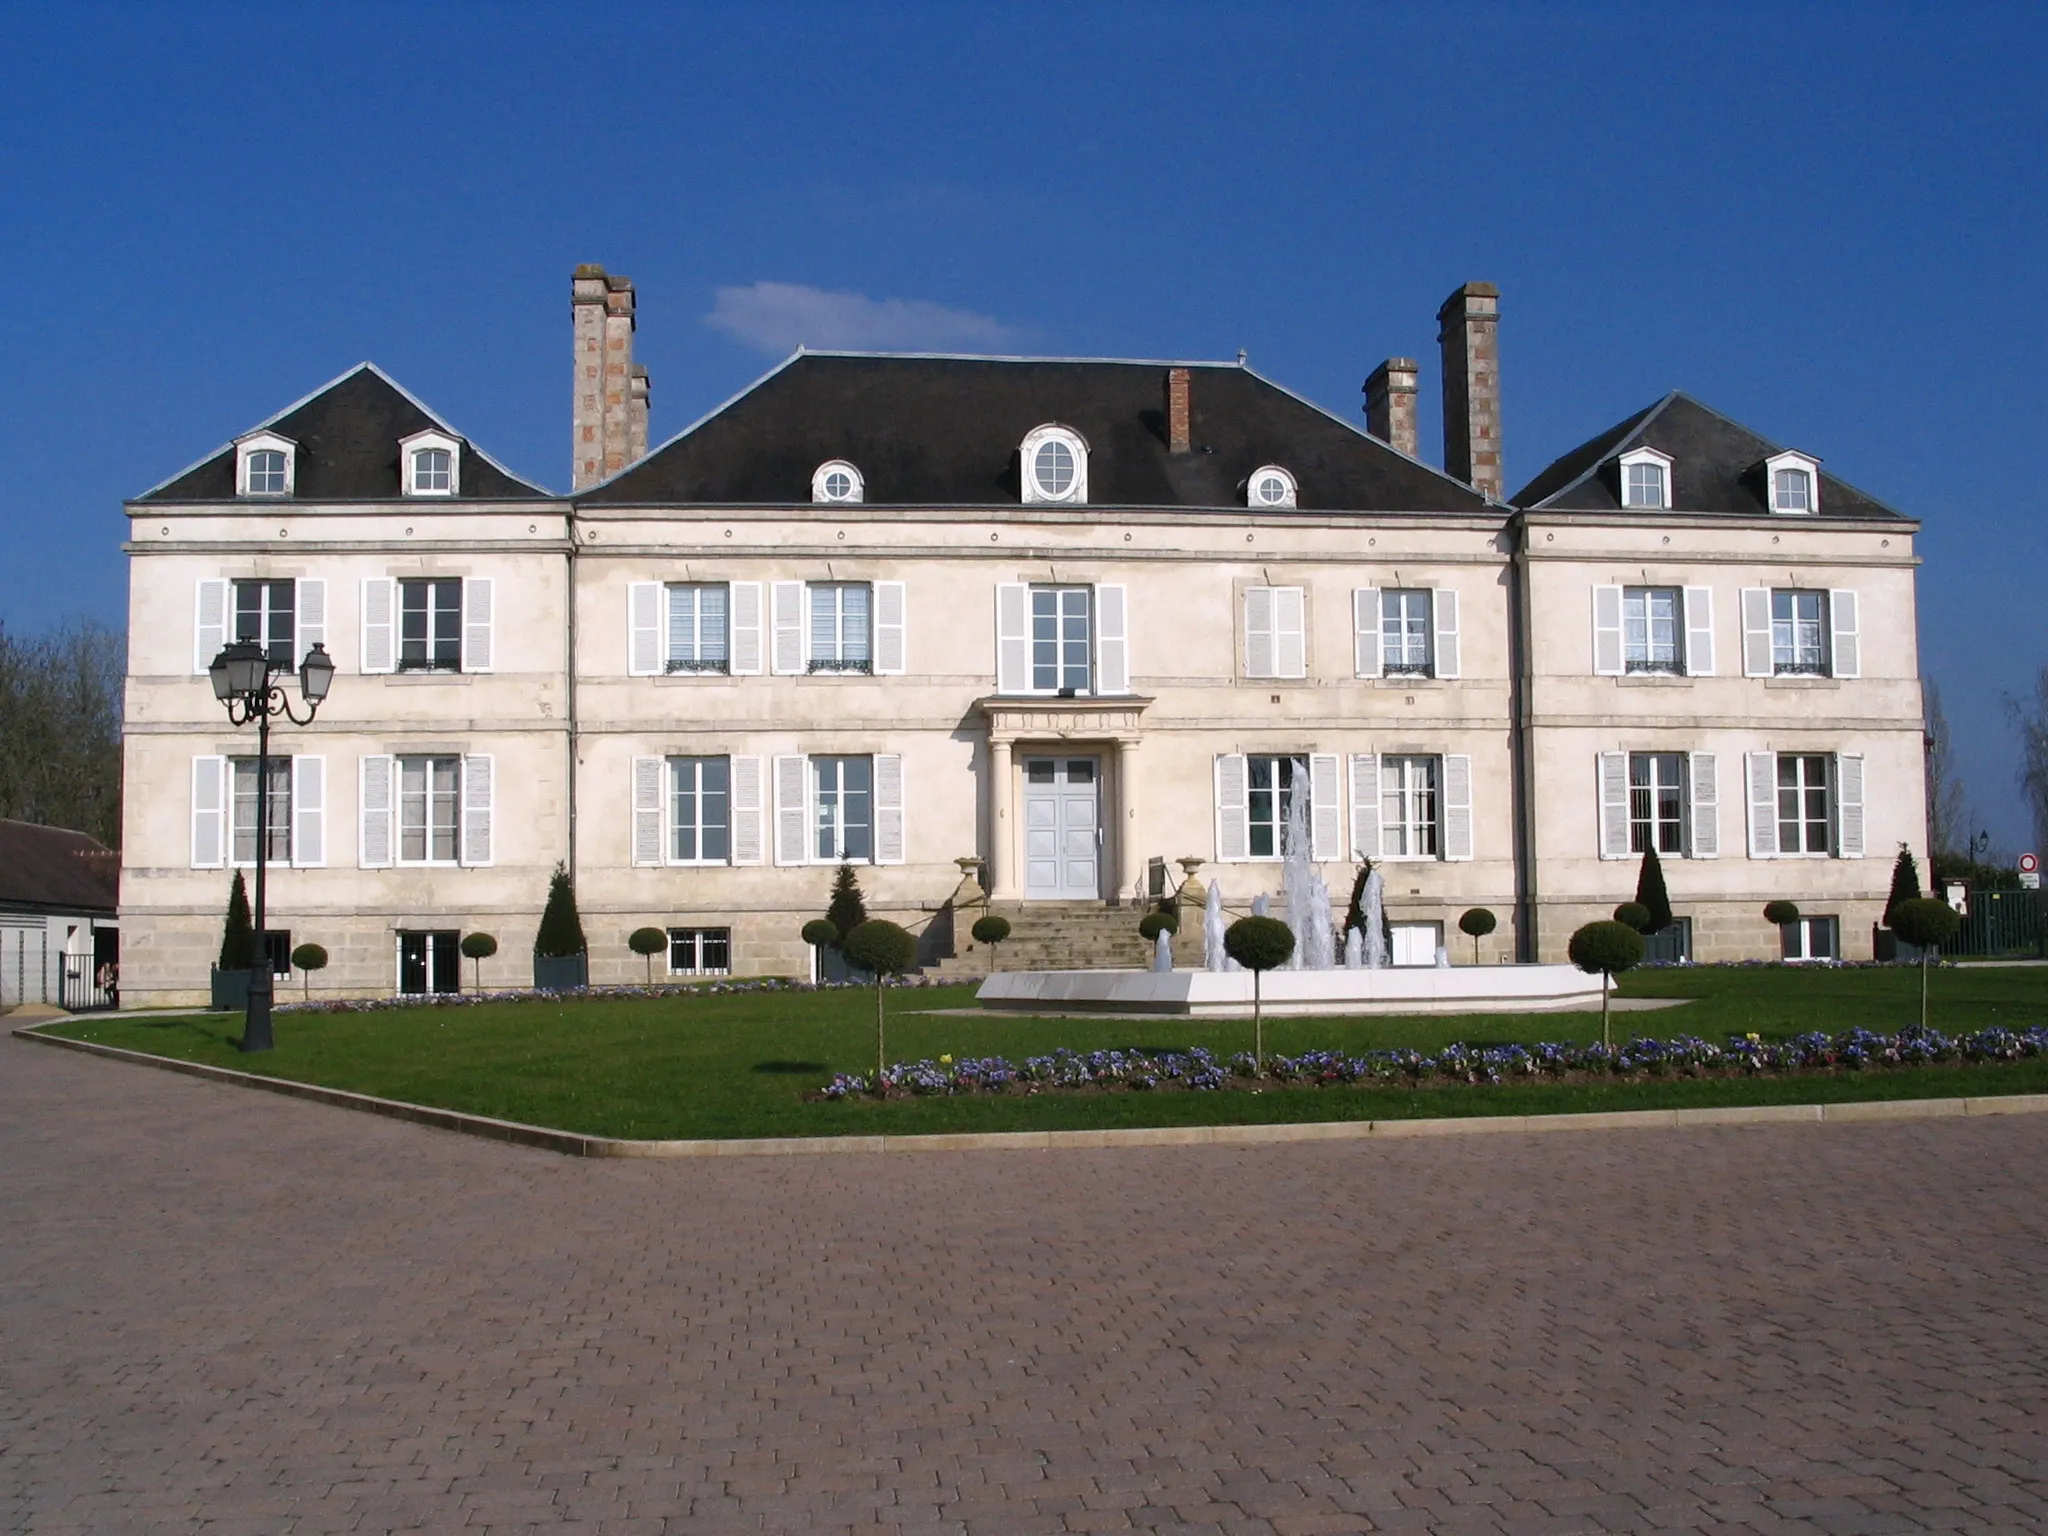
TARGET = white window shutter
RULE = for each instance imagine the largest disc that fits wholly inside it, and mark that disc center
(1326, 807)
(788, 602)
(1290, 632)
(644, 605)
(1013, 637)
(380, 626)
(210, 623)
(1761, 769)
(891, 647)
(792, 810)
(746, 807)
(1699, 631)
(649, 776)
(1847, 651)
(1614, 837)
(1705, 775)
(1756, 632)
(1258, 632)
(310, 601)
(1607, 649)
(309, 811)
(373, 849)
(890, 838)
(478, 779)
(209, 812)
(1849, 805)
(1443, 605)
(1233, 809)
(744, 643)
(1457, 806)
(1112, 641)
(1365, 806)
(476, 624)
(1365, 631)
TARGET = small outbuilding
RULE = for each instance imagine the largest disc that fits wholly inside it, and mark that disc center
(60, 893)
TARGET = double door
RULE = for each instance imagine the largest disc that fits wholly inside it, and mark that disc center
(1063, 828)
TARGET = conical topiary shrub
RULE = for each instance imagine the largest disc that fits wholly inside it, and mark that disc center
(1905, 884)
(847, 910)
(559, 950)
(1650, 893)
(237, 952)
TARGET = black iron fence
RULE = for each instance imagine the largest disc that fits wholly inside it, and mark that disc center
(2002, 925)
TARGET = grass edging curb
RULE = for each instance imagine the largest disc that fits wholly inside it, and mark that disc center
(576, 1144)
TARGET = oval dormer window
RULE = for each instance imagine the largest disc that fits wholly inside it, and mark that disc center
(1055, 465)
(836, 480)
(1270, 487)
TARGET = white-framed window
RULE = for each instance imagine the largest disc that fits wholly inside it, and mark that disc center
(266, 611)
(842, 809)
(1646, 479)
(1653, 629)
(1792, 482)
(265, 465)
(1271, 784)
(277, 811)
(1409, 825)
(836, 480)
(429, 962)
(431, 464)
(1269, 487)
(429, 809)
(1806, 812)
(1656, 799)
(1062, 640)
(1811, 938)
(1053, 465)
(697, 639)
(1805, 804)
(840, 626)
(1406, 632)
(1799, 632)
(700, 810)
(1275, 632)
(430, 624)
(700, 951)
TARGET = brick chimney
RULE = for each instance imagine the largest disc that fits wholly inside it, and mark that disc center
(1390, 403)
(1468, 328)
(1179, 431)
(609, 415)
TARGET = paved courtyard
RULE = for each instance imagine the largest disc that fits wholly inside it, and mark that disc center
(222, 1311)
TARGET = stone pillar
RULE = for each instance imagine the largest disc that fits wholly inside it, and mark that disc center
(1001, 833)
(1130, 855)
(1468, 328)
(1390, 403)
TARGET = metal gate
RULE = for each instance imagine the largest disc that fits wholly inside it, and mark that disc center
(85, 987)
(2002, 923)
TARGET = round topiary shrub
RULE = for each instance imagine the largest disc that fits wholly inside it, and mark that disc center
(1476, 924)
(479, 947)
(1780, 913)
(884, 949)
(991, 930)
(1153, 924)
(1925, 923)
(819, 933)
(1259, 944)
(309, 958)
(1604, 950)
(1634, 914)
(647, 943)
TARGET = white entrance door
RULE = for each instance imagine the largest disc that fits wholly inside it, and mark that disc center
(1416, 943)
(1062, 829)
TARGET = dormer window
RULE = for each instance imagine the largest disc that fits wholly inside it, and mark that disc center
(1793, 482)
(1055, 466)
(1646, 479)
(431, 464)
(1270, 487)
(836, 480)
(264, 465)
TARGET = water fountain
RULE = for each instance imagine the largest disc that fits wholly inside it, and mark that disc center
(1308, 898)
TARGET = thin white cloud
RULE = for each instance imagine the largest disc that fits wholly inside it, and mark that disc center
(780, 317)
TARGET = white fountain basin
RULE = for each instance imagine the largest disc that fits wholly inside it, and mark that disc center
(1228, 994)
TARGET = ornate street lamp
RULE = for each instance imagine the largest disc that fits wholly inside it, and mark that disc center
(247, 681)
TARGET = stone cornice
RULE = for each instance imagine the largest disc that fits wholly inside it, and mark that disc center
(1015, 719)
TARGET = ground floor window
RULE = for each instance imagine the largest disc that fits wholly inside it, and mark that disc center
(1273, 782)
(277, 814)
(1656, 801)
(429, 963)
(279, 942)
(1671, 944)
(1417, 943)
(700, 951)
(1805, 816)
(1408, 807)
(1811, 938)
(842, 790)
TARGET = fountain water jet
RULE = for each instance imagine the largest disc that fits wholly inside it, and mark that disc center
(1308, 897)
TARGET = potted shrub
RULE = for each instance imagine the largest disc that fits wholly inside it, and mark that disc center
(1477, 923)
(479, 947)
(647, 943)
(560, 955)
(1606, 949)
(237, 952)
(309, 958)
(1259, 944)
(882, 949)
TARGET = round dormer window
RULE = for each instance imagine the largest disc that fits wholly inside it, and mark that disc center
(1055, 464)
(836, 480)
(1270, 487)
(1053, 467)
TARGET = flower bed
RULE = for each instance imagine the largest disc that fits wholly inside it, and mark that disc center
(593, 994)
(1198, 1070)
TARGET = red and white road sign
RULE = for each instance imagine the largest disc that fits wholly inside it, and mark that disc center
(2030, 864)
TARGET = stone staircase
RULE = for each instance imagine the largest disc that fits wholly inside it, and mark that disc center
(1054, 936)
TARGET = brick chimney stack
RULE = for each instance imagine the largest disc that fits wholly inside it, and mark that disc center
(1468, 329)
(609, 415)
(1390, 403)
(1179, 429)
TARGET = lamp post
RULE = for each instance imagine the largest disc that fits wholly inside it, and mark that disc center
(245, 679)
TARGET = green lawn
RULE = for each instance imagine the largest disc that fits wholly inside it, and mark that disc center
(740, 1065)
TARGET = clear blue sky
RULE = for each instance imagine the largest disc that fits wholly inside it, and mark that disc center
(1826, 221)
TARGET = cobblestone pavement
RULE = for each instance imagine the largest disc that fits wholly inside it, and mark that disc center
(228, 1312)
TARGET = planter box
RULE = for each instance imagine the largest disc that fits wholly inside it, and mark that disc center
(559, 973)
(230, 990)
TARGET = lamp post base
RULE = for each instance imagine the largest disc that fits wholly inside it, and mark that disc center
(256, 1023)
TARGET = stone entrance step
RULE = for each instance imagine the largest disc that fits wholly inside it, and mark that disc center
(1052, 936)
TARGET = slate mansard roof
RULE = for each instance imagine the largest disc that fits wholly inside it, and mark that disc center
(55, 869)
(945, 431)
(348, 434)
(1717, 467)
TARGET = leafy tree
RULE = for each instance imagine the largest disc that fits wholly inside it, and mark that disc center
(1606, 949)
(238, 937)
(561, 930)
(647, 943)
(479, 947)
(309, 958)
(1650, 893)
(1928, 923)
(60, 729)
(1478, 923)
(1948, 816)
(2032, 725)
(990, 929)
(847, 910)
(1905, 884)
(1635, 914)
(1259, 944)
(882, 949)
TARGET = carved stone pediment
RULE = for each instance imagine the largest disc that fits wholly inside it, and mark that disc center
(1053, 719)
